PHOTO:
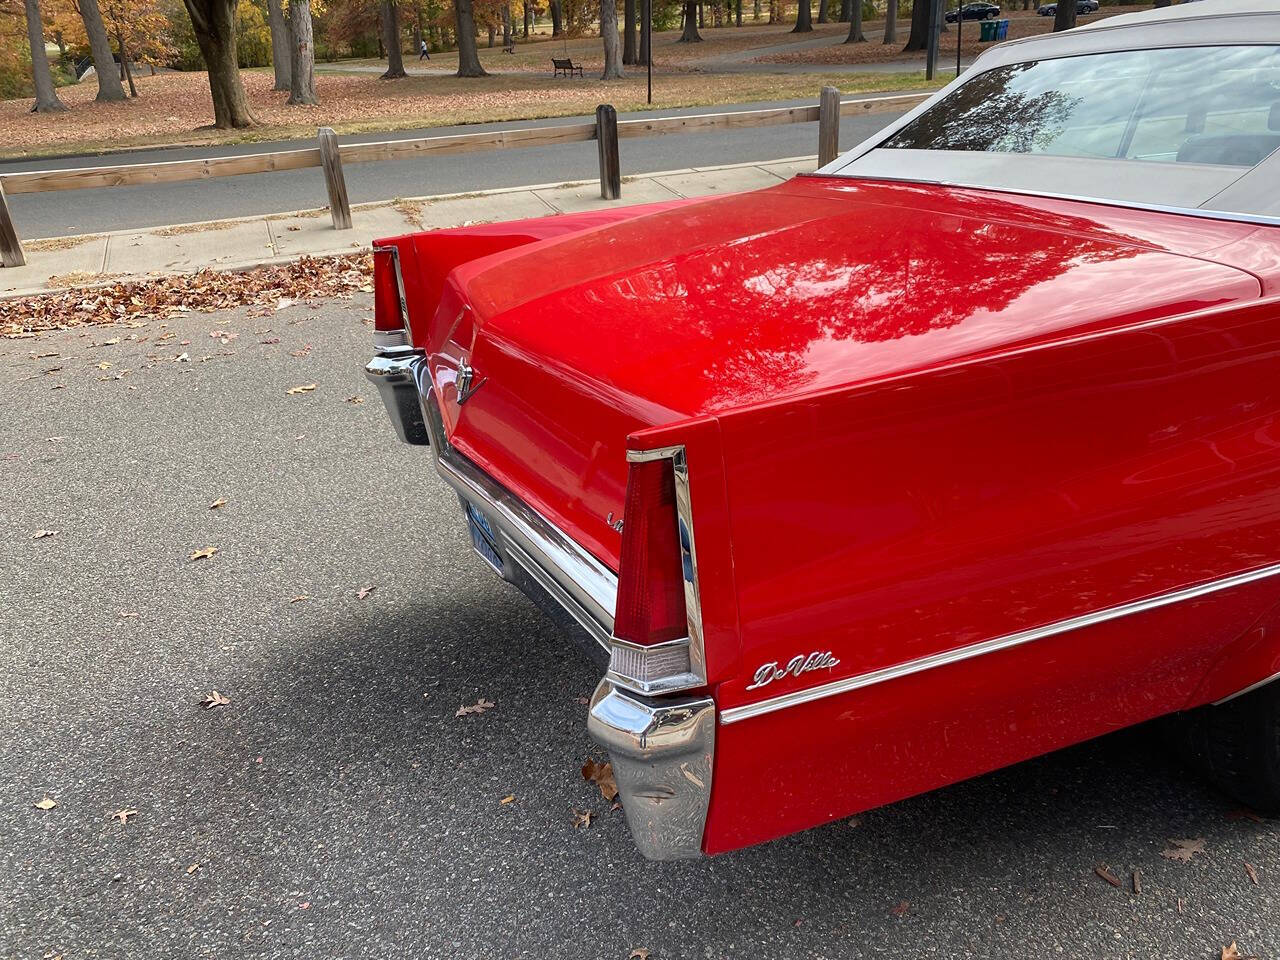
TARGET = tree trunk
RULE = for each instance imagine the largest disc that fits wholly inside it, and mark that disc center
(46, 94)
(609, 34)
(1065, 18)
(557, 18)
(109, 86)
(62, 45)
(391, 32)
(125, 70)
(855, 24)
(528, 17)
(468, 56)
(302, 60)
(739, 12)
(702, 15)
(417, 27)
(690, 34)
(822, 11)
(629, 56)
(804, 18)
(891, 22)
(919, 38)
(506, 24)
(846, 10)
(281, 50)
(214, 23)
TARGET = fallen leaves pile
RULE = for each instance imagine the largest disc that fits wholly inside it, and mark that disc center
(138, 301)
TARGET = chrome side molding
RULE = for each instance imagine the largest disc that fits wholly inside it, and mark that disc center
(662, 753)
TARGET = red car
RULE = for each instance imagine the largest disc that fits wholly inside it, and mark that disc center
(962, 450)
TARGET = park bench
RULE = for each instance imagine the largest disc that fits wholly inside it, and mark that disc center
(565, 68)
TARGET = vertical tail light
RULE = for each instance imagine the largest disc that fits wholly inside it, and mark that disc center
(388, 299)
(651, 605)
(650, 651)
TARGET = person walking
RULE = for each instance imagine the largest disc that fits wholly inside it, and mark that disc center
(423, 54)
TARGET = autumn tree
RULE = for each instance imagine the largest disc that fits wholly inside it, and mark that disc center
(919, 36)
(891, 22)
(214, 22)
(281, 47)
(855, 24)
(391, 37)
(46, 96)
(609, 34)
(468, 55)
(104, 65)
(302, 54)
(690, 33)
(804, 17)
(1064, 17)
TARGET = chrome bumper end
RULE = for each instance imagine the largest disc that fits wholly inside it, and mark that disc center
(662, 752)
(393, 371)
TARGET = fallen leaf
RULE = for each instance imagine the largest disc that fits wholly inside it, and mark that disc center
(1183, 850)
(41, 534)
(220, 502)
(193, 868)
(285, 302)
(305, 905)
(509, 798)
(215, 699)
(48, 803)
(204, 554)
(1252, 871)
(299, 598)
(365, 591)
(601, 774)
(1232, 952)
(124, 814)
(104, 365)
(480, 706)
(900, 908)
(581, 818)
(355, 399)
(639, 953)
(1106, 874)
(305, 388)
(1137, 881)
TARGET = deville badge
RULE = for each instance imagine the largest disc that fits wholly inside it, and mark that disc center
(766, 673)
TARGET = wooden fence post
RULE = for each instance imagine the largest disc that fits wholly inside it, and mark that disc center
(10, 246)
(607, 141)
(335, 183)
(828, 125)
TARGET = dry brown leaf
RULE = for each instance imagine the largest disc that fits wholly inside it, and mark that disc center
(220, 502)
(480, 706)
(1137, 881)
(1231, 952)
(365, 591)
(41, 534)
(509, 798)
(1105, 873)
(193, 868)
(305, 388)
(639, 953)
(1252, 872)
(601, 774)
(581, 818)
(299, 598)
(1183, 850)
(900, 908)
(48, 803)
(214, 699)
(204, 554)
(355, 399)
(124, 814)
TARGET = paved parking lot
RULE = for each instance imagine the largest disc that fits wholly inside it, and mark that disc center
(337, 806)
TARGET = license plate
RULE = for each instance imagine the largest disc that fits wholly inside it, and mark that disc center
(482, 537)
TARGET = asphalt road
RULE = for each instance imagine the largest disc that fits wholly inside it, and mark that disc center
(124, 208)
(337, 807)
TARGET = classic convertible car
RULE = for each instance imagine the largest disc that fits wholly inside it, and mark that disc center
(961, 450)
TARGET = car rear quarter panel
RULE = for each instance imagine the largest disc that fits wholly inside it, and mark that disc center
(921, 513)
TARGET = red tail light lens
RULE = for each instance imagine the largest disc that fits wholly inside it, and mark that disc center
(387, 313)
(651, 606)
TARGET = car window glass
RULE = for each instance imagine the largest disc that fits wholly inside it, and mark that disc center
(1215, 105)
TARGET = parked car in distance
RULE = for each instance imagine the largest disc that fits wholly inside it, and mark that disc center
(974, 11)
(961, 450)
(1082, 7)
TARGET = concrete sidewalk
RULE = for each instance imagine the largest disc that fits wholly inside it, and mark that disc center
(62, 262)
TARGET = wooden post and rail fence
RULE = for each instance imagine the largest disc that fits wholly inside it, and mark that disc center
(606, 129)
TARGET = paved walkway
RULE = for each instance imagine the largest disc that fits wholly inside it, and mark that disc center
(236, 244)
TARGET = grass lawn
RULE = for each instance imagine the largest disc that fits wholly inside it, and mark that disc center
(175, 109)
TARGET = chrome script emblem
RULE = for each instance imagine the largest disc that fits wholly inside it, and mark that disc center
(463, 383)
(766, 673)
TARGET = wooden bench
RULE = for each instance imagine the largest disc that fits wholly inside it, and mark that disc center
(565, 68)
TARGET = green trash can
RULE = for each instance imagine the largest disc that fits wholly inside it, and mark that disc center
(988, 31)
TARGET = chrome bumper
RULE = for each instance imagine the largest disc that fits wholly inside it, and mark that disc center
(662, 752)
(661, 748)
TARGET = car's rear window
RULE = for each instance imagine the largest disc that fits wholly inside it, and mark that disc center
(1205, 105)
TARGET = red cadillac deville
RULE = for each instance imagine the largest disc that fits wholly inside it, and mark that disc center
(961, 450)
